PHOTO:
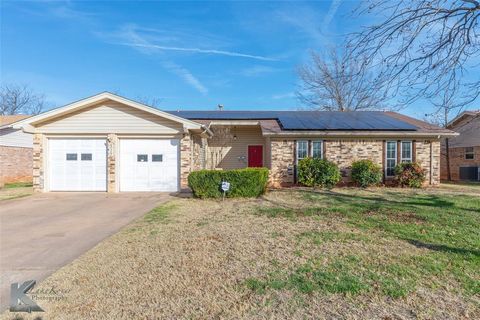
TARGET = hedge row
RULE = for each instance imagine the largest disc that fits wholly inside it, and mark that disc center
(252, 182)
(326, 174)
(249, 182)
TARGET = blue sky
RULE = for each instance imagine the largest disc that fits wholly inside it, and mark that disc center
(191, 55)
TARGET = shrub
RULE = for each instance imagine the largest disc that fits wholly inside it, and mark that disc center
(249, 182)
(314, 172)
(365, 173)
(409, 174)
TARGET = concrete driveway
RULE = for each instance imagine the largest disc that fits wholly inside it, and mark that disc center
(41, 233)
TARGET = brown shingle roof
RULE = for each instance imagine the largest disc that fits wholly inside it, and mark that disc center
(422, 126)
(4, 120)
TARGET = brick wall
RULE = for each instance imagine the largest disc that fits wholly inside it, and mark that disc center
(457, 160)
(282, 158)
(38, 154)
(345, 152)
(16, 164)
(112, 143)
(186, 161)
(198, 154)
(427, 162)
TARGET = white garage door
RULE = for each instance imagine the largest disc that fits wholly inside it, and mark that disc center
(77, 164)
(149, 165)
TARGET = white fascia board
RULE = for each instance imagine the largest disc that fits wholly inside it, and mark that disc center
(234, 123)
(361, 134)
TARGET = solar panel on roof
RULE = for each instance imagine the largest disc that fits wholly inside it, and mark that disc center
(309, 120)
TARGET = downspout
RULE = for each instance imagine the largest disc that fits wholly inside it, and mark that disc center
(431, 162)
(447, 158)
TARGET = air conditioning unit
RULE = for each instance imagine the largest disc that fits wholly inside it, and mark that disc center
(470, 173)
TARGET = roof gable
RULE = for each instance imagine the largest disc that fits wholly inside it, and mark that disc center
(459, 120)
(51, 115)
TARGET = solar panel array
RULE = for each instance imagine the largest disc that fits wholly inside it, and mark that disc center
(309, 120)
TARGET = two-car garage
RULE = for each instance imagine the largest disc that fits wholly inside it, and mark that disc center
(143, 164)
(109, 143)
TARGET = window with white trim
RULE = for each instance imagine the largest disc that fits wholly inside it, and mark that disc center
(317, 149)
(302, 149)
(469, 153)
(390, 158)
(407, 152)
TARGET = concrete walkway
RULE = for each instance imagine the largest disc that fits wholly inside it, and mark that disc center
(41, 233)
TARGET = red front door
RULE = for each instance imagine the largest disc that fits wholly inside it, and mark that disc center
(255, 156)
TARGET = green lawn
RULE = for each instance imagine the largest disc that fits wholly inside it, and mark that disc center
(447, 226)
(15, 190)
(14, 185)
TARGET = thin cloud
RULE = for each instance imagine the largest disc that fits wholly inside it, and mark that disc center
(304, 19)
(198, 50)
(256, 71)
(331, 13)
(281, 96)
(186, 75)
(141, 44)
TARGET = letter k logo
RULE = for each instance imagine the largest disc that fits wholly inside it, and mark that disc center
(19, 301)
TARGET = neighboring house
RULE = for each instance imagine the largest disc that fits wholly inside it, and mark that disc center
(464, 149)
(16, 161)
(109, 143)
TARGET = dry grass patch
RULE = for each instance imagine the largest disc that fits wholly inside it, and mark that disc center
(293, 254)
(16, 190)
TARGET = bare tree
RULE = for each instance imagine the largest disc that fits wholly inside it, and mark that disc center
(335, 82)
(422, 45)
(448, 105)
(20, 99)
(150, 101)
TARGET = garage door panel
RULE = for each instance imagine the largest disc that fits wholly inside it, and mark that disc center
(88, 173)
(158, 173)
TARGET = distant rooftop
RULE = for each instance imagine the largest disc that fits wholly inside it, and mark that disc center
(4, 120)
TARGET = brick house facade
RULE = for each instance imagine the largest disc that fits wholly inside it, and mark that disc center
(16, 164)
(136, 148)
(15, 152)
(464, 149)
(345, 152)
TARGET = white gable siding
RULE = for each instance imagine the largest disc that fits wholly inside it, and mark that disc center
(111, 118)
(10, 137)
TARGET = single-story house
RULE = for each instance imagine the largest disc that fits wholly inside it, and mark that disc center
(16, 147)
(464, 149)
(110, 143)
